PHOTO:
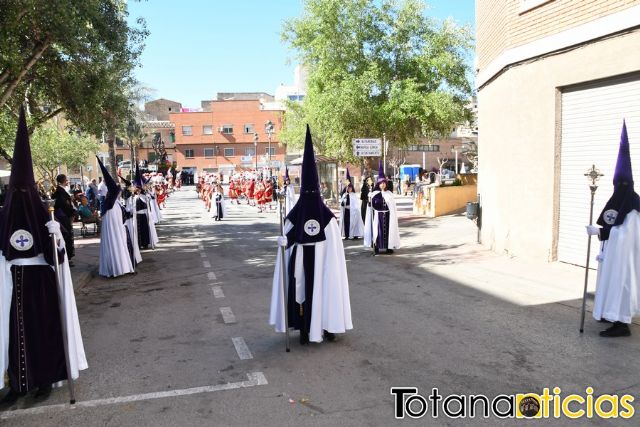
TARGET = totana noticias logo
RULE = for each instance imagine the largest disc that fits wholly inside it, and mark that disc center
(409, 403)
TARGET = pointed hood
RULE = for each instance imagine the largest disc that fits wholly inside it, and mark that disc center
(138, 181)
(381, 177)
(349, 177)
(286, 174)
(310, 215)
(623, 165)
(23, 233)
(624, 198)
(113, 189)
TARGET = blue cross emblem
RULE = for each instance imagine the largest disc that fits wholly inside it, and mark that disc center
(22, 241)
(312, 227)
(610, 216)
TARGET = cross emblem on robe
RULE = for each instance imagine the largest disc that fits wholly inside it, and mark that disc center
(22, 241)
(611, 217)
(312, 228)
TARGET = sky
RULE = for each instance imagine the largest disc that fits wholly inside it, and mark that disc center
(197, 48)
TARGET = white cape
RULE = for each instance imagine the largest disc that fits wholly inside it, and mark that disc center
(132, 228)
(214, 205)
(394, 233)
(290, 198)
(356, 226)
(77, 357)
(114, 253)
(156, 216)
(618, 284)
(331, 310)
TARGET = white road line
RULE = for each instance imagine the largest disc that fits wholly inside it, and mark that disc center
(206, 264)
(254, 379)
(211, 275)
(203, 255)
(217, 292)
(201, 247)
(227, 315)
(241, 348)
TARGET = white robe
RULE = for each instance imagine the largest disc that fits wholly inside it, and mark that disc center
(214, 205)
(132, 227)
(77, 357)
(290, 198)
(156, 215)
(331, 310)
(114, 253)
(356, 226)
(394, 232)
(618, 285)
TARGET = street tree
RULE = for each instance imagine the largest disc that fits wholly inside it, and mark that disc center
(53, 146)
(376, 67)
(66, 56)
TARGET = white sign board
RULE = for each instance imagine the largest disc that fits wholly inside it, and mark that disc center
(367, 147)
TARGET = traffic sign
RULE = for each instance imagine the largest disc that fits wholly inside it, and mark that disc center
(367, 147)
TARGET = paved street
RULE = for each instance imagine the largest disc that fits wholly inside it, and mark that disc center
(186, 340)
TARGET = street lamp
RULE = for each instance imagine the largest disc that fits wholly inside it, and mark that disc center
(268, 127)
(255, 148)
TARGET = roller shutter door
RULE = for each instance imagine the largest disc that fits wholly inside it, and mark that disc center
(590, 134)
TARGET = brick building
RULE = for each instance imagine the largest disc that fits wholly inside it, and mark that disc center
(224, 139)
(555, 80)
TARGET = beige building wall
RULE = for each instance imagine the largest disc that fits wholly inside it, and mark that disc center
(504, 24)
(518, 115)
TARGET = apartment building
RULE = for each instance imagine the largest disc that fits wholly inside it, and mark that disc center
(233, 135)
(555, 80)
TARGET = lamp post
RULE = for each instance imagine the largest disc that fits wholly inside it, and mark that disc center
(455, 150)
(255, 148)
(268, 127)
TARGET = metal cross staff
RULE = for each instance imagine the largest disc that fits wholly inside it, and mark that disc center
(594, 175)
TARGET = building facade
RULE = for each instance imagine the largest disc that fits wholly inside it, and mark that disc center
(555, 80)
(227, 138)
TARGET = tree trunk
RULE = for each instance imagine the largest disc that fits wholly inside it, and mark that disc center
(30, 63)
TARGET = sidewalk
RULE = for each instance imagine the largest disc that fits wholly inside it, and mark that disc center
(447, 246)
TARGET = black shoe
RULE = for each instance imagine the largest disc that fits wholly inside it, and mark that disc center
(43, 392)
(10, 398)
(71, 264)
(329, 336)
(375, 251)
(304, 337)
(603, 320)
(618, 329)
(389, 251)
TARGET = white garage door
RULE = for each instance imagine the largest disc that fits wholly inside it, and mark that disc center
(591, 123)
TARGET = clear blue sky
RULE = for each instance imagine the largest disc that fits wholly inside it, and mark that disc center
(197, 48)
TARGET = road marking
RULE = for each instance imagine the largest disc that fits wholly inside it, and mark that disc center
(206, 264)
(201, 247)
(254, 379)
(211, 275)
(217, 292)
(241, 348)
(203, 255)
(227, 315)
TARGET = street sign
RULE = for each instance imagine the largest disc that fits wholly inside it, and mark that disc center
(367, 147)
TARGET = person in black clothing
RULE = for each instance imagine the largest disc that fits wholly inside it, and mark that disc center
(64, 212)
(367, 185)
(389, 183)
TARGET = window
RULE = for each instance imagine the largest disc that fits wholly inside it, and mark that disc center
(249, 128)
(208, 152)
(272, 153)
(431, 148)
(187, 130)
(119, 142)
(152, 157)
(188, 153)
(172, 136)
(119, 158)
(229, 152)
(207, 130)
(228, 129)
(250, 151)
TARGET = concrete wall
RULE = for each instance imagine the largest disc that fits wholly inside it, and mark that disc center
(518, 117)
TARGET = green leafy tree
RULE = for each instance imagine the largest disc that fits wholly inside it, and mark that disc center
(376, 67)
(52, 147)
(69, 56)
